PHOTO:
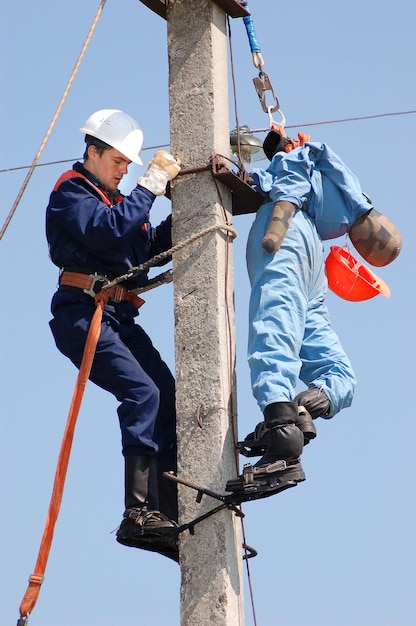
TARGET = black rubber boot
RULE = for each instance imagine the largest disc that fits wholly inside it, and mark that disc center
(255, 443)
(140, 482)
(167, 490)
(283, 437)
(279, 468)
(144, 525)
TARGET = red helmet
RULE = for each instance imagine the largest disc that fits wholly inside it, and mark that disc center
(350, 279)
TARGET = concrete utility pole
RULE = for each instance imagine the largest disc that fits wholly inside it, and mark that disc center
(211, 559)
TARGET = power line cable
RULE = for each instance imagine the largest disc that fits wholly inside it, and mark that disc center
(251, 130)
(339, 121)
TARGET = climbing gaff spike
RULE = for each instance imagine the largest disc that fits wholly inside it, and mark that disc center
(228, 500)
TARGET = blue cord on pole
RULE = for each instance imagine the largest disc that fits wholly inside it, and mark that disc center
(251, 33)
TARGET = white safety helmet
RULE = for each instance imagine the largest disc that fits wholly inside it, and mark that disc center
(117, 129)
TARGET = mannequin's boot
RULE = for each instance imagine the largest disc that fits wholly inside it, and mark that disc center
(144, 525)
(279, 467)
(255, 443)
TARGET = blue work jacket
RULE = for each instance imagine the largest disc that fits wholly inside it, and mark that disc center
(314, 178)
(85, 229)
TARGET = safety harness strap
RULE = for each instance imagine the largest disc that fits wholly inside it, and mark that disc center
(74, 174)
(91, 284)
(30, 598)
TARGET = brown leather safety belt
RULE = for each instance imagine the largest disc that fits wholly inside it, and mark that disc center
(87, 283)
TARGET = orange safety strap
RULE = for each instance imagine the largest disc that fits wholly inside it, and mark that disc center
(74, 174)
(35, 580)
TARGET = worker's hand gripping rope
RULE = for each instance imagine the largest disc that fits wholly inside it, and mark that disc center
(161, 169)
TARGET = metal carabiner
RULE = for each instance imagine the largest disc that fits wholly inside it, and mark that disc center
(93, 288)
(272, 122)
(262, 84)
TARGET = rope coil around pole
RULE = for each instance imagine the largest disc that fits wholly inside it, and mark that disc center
(55, 117)
(134, 271)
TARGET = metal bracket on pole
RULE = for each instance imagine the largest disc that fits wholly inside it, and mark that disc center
(234, 8)
(245, 199)
(249, 552)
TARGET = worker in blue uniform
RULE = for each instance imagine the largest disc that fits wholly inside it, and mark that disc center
(96, 234)
(310, 196)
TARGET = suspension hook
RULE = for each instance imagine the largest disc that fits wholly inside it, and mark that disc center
(262, 84)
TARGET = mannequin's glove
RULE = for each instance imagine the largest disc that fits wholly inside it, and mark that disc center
(161, 169)
(315, 401)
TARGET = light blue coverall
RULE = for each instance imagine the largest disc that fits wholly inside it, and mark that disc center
(290, 335)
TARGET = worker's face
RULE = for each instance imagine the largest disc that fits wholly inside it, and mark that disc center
(109, 167)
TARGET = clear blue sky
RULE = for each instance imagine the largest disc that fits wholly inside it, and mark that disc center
(339, 550)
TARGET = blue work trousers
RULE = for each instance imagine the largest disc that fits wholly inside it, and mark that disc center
(290, 334)
(127, 365)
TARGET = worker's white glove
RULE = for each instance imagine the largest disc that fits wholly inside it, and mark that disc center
(161, 169)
